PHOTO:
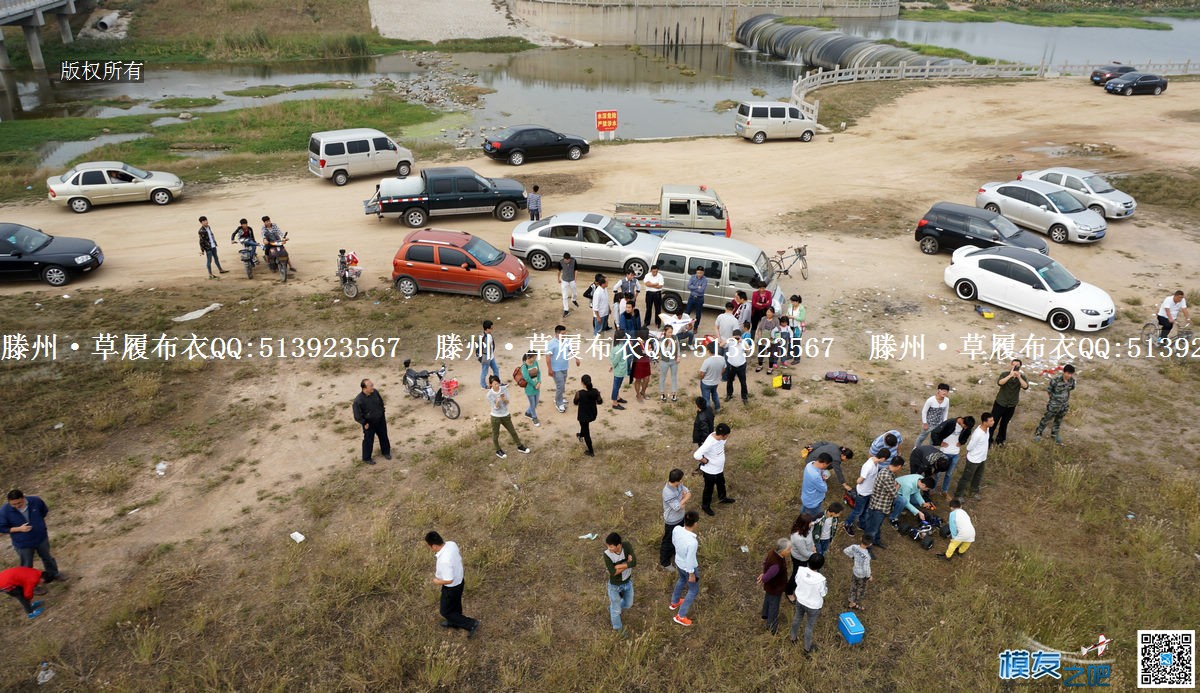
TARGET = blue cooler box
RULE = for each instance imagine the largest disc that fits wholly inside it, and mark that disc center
(851, 628)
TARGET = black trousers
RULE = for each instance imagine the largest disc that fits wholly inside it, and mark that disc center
(999, 430)
(653, 307)
(376, 428)
(1166, 326)
(666, 549)
(712, 481)
(17, 594)
(738, 372)
(585, 432)
(451, 607)
(797, 564)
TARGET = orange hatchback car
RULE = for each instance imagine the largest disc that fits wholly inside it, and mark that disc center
(456, 262)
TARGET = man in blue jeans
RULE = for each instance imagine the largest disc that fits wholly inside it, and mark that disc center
(883, 498)
(711, 371)
(23, 518)
(620, 560)
(485, 351)
(864, 486)
(697, 285)
(910, 498)
(558, 359)
(686, 546)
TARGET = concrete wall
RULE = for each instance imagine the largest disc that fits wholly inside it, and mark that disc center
(654, 23)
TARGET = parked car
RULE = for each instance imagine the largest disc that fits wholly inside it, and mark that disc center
(339, 154)
(593, 240)
(456, 262)
(948, 225)
(104, 182)
(1043, 207)
(1102, 74)
(519, 143)
(1087, 187)
(730, 265)
(445, 190)
(1136, 83)
(1031, 284)
(759, 121)
(27, 253)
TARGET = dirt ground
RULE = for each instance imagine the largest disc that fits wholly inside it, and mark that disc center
(854, 197)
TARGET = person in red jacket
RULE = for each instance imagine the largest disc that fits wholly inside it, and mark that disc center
(760, 301)
(21, 584)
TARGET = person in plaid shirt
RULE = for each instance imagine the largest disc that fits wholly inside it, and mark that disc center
(883, 498)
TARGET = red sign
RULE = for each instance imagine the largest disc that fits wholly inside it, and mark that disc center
(606, 121)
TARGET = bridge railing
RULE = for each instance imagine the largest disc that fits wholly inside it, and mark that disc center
(727, 3)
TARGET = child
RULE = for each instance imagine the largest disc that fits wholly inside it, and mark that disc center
(962, 532)
(783, 342)
(862, 570)
(826, 527)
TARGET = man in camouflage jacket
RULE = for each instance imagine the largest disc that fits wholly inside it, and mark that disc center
(1059, 404)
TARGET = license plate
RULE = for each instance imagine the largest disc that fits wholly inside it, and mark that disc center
(99, 258)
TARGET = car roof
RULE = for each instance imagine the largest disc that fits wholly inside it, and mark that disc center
(449, 237)
(767, 103)
(1030, 257)
(967, 210)
(580, 218)
(695, 190)
(703, 241)
(452, 171)
(1116, 66)
(1069, 171)
(90, 165)
(1033, 184)
(348, 132)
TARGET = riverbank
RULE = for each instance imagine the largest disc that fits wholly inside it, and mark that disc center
(1060, 16)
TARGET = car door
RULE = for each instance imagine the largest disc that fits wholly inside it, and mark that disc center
(94, 186)
(125, 187)
(563, 238)
(474, 195)
(982, 234)
(13, 263)
(1026, 292)
(384, 154)
(1011, 200)
(599, 249)
(742, 277)
(442, 197)
(458, 270)
(358, 155)
(991, 281)
(718, 293)
(1040, 212)
(419, 262)
(1077, 189)
(541, 144)
(1145, 84)
(949, 229)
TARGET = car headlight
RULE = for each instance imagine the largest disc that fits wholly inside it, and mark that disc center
(82, 259)
(1085, 228)
(511, 277)
(1089, 311)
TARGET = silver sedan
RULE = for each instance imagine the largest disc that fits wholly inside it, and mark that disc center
(593, 240)
(1093, 191)
(104, 182)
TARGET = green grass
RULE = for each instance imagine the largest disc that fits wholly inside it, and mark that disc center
(1073, 17)
(184, 102)
(938, 51)
(827, 23)
(265, 90)
(1179, 192)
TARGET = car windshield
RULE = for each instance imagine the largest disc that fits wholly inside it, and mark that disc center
(1065, 203)
(620, 233)
(1006, 228)
(25, 239)
(504, 134)
(1098, 184)
(134, 170)
(1057, 277)
(484, 252)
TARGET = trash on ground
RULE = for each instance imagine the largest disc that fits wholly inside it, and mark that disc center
(589, 537)
(161, 469)
(297, 537)
(197, 313)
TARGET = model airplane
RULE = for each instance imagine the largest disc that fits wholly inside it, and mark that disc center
(1099, 647)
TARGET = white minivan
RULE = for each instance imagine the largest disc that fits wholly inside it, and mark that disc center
(339, 154)
(759, 120)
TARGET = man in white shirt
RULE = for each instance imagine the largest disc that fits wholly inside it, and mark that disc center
(686, 548)
(653, 283)
(711, 455)
(977, 452)
(1169, 312)
(725, 326)
(600, 305)
(681, 326)
(449, 574)
(863, 488)
(810, 598)
(935, 411)
(735, 356)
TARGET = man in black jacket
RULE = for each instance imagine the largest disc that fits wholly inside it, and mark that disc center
(368, 412)
(703, 425)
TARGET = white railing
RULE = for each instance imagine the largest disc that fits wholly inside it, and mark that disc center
(822, 77)
(727, 3)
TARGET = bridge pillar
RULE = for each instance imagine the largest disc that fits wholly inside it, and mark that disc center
(33, 41)
(64, 28)
(8, 81)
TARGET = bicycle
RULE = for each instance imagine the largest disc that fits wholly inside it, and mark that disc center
(799, 254)
(1152, 329)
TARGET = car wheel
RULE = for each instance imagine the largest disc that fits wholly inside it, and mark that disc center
(759, 138)
(55, 275)
(807, 136)
(415, 217)
(1058, 233)
(538, 260)
(1128, 91)
(672, 303)
(403, 169)
(965, 289)
(574, 153)
(992, 207)
(506, 211)
(516, 158)
(340, 178)
(1060, 320)
(1157, 91)
(161, 197)
(492, 293)
(638, 266)
(1098, 210)
(79, 205)
(407, 286)
(929, 245)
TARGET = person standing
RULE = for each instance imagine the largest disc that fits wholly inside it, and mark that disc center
(813, 488)
(24, 520)
(809, 594)
(22, 584)
(735, 358)
(760, 301)
(566, 281)
(1169, 312)
(1059, 403)
(686, 547)
(601, 306)
(653, 282)
(935, 411)
(703, 424)
(558, 361)
(860, 575)
(485, 351)
(711, 370)
(620, 560)
(369, 413)
(803, 545)
(1011, 383)
(711, 455)
(668, 364)
(883, 500)
(449, 574)
(962, 532)
(588, 401)
(950, 437)
(824, 529)
(208, 248)
(674, 496)
(630, 287)
(618, 365)
(767, 325)
(533, 201)
(742, 311)
(774, 581)
(497, 397)
(533, 385)
(697, 286)
(725, 324)
(640, 371)
(864, 487)
(977, 452)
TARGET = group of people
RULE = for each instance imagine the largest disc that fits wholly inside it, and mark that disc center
(243, 234)
(23, 518)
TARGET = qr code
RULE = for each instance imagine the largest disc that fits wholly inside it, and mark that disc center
(1166, 659)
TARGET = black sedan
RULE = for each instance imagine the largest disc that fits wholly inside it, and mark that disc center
(1136, 83)
(518, 143)
(27, 253)
(1102, 74)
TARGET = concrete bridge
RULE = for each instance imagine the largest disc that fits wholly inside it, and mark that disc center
(30, 15)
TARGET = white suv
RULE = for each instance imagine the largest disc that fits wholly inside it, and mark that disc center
(1043, 207)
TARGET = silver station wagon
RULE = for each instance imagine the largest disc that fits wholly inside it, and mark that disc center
(105, 182)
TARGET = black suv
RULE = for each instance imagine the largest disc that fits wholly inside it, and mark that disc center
(948, 225)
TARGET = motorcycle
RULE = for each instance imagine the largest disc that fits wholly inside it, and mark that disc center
(277, 258)
(418, 386)
(249, 257)
(348, 272)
